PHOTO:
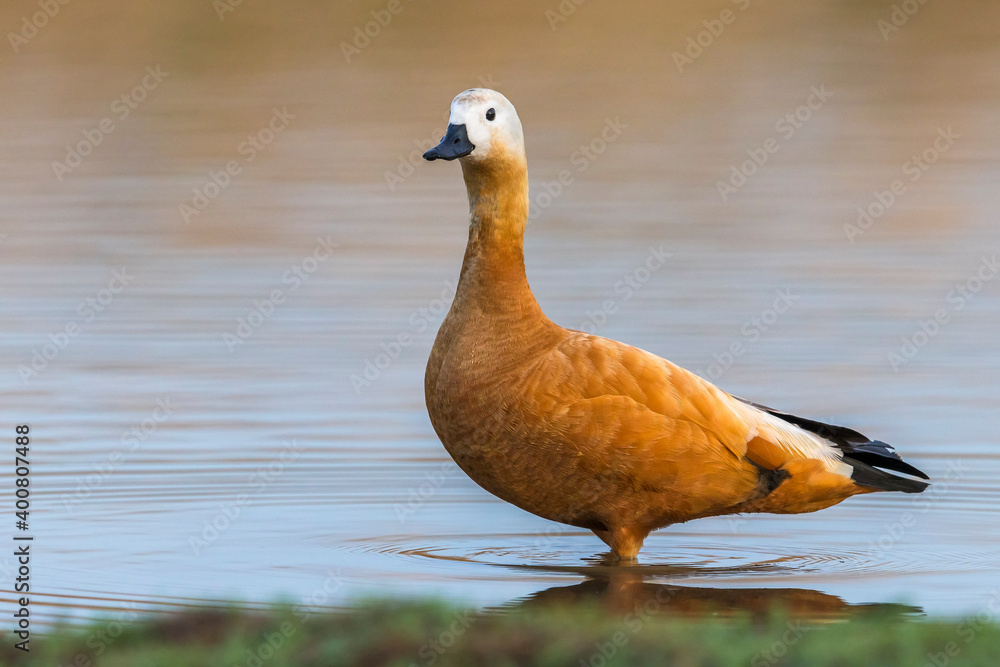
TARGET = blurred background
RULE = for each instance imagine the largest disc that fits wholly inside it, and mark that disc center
(223, 264)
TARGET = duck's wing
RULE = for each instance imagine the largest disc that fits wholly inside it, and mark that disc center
(664, 423)
(588, 367)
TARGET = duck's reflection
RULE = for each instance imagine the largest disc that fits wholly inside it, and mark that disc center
(628, 590)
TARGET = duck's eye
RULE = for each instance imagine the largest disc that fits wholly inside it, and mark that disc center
(491, 114)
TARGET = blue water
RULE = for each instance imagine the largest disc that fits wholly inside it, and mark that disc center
(209, 432)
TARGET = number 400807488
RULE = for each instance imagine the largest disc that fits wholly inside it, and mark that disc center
(21, 471)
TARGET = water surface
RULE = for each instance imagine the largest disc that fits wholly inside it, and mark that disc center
(209, 434)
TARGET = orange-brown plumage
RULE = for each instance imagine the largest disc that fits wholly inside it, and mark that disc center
(585, 430)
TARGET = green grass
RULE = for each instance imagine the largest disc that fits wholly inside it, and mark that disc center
(586, 635)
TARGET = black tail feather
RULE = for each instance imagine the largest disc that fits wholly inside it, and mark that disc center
(869, 458)
(881, 455)
(866, 475)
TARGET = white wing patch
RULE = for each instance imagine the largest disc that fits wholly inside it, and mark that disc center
(793, 439)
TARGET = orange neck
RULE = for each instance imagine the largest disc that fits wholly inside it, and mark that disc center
(493, 268)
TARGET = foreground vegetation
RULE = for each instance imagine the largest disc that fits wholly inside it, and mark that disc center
(578, 636)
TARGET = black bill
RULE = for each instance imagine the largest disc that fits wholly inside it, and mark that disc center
(454, 145)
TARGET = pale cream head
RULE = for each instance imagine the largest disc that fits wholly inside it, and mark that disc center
(482, 123)
(472, 108)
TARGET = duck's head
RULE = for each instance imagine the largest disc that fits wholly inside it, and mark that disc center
(483, 126)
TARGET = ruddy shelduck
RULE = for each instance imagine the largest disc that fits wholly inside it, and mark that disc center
(591, 432)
